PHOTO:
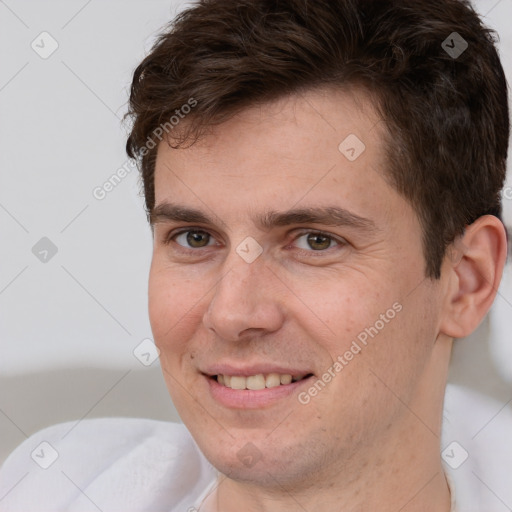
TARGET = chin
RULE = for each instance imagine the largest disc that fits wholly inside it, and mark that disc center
(251, 458)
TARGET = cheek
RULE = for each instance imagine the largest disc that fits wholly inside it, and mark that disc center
(362, 324)
(174, 317)
(341, 307)
(398, 344)
(173, 307)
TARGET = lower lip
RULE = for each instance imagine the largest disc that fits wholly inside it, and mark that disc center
(252, 399)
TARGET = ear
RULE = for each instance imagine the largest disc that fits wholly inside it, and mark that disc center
(473, 266)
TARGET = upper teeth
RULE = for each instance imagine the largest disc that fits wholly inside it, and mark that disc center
(255, 382)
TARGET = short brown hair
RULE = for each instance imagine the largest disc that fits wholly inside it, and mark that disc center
(446, 114)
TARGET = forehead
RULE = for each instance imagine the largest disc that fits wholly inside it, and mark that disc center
(318, 148)
(296, 127)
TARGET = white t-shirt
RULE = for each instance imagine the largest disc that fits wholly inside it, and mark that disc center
(128, 465)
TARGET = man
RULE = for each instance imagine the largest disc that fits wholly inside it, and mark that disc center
(323, 183)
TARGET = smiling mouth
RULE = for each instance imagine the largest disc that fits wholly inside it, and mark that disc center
(257, 382)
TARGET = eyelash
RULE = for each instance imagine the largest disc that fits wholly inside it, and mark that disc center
(339, 241)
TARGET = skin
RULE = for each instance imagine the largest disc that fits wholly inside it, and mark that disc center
(369, 440)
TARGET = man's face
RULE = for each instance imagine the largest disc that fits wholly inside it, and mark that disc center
(352, 292)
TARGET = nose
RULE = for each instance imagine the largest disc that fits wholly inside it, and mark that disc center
(246, 301)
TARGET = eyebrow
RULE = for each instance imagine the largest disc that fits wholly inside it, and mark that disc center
(328, 216)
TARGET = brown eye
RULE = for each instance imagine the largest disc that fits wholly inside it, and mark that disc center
(193, 239)
(318, 242)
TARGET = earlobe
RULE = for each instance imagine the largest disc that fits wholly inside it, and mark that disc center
(474, 266)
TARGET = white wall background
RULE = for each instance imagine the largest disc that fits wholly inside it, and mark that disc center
(68, 326)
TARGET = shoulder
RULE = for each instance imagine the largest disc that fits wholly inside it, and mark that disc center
(108, 464)
(476, 449)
